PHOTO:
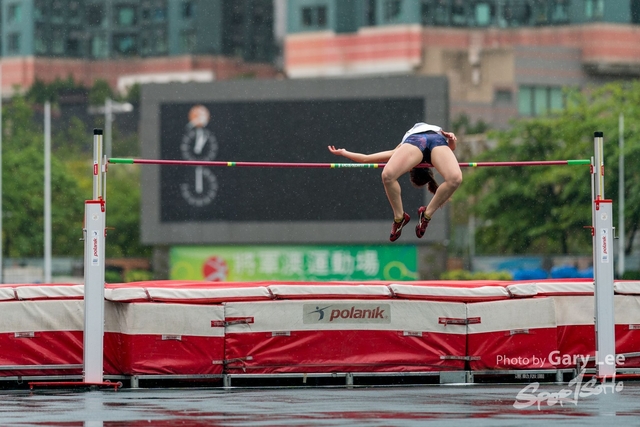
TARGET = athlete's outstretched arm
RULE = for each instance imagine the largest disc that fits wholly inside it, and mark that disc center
(381, 156)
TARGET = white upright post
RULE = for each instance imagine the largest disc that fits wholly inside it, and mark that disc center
(603, 269)
(94, 252)
(621, 199)
(47, 192)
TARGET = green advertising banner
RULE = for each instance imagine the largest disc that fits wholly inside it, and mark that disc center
(293, 263)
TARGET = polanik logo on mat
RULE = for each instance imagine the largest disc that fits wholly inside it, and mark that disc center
(346, 313)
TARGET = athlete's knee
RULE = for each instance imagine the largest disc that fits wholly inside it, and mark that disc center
(454, 180)
(388, 176)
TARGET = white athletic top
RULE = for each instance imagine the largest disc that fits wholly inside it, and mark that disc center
(421, 127)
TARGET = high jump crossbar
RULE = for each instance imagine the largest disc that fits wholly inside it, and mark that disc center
(337, 165)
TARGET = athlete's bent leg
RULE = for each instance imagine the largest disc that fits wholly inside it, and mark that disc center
(446, 163)
(405, 158)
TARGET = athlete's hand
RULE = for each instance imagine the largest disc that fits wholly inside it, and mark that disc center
(336, 151)
(451, 139)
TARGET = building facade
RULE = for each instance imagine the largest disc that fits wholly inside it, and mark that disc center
(504, 58)
(171, 39)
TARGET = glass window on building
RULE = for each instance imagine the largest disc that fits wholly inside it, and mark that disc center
(57, 12)
(39, 43)
(594, 9)
(13, 43)
(57, 42)
(126, 16)
(75, 11)
(458, 13)
(14, 13)
(39, 9)
(525, 101)
(159, 14)
(556, 99)
(99, 46)
(435, 12)
(95, 15)
(483, 12)
(503, 96)
(540, 13)
(145, 45)
(515, 13)
(370, 13)
(125, 44)
(188, 9)
(559, 11)
(392, 10)
(635, 11)
(161, 45)
(145, 11)
(314, 17)
(539, 100)
(73, 47)
(188, 41)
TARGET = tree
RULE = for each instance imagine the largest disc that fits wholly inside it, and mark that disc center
(71, 181)
(123, 213)
(544, 209)
(40, 92)
(23, 191)
(99, 92)
(123, 205)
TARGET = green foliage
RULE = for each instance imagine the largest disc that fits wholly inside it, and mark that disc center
(23, 191)
(456, 275)
(123, 213)
(71, 184)
(100, 92)
(138, 276)
(72, 141)
(134, 94)
(40, 92)
(492, 275)
(478, 275)
(631, 275)
(112, 276)
(462, 124)
(123, 206)
(543, 209)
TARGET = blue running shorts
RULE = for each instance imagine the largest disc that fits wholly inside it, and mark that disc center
(426, 142)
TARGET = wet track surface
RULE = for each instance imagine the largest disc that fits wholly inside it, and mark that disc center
(477, 405)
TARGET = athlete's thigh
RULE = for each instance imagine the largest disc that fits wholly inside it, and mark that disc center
(445, 162)
(405, 158)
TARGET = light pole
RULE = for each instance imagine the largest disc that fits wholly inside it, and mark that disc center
(621, 230)
(109, 109)
(1, 234)
(47, 192)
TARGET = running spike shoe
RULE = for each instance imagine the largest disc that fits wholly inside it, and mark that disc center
(396, 229)
(423, 222)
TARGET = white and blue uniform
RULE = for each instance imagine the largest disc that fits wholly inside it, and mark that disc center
(426, 137)
(421, 128)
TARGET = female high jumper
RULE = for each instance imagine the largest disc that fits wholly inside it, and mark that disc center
(423, 143)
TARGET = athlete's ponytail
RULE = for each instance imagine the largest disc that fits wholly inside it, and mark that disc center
(423, 176)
